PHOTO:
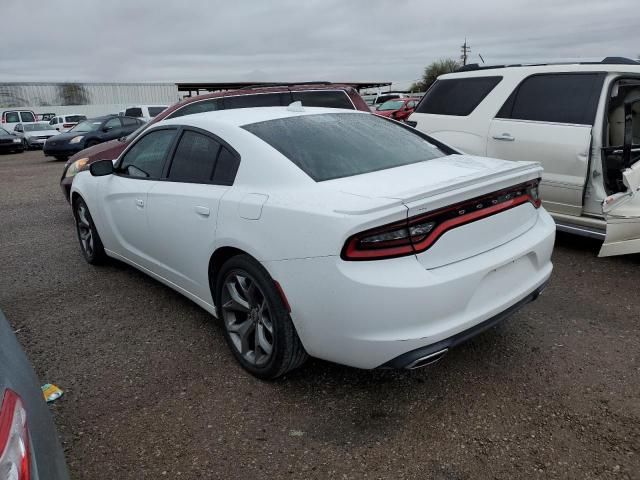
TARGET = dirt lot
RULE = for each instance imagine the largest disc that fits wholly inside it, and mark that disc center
(153, 392)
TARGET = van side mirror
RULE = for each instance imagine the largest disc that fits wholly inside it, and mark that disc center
(101, 168)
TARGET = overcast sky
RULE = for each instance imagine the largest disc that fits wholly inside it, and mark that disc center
(338, 40)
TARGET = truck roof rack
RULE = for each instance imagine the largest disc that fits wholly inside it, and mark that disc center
(605, 61)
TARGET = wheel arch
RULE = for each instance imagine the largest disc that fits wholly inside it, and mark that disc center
(217, 259)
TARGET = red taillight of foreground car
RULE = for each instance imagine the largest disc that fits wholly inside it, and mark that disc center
(67, 125)
(14, 439)
(417, 234)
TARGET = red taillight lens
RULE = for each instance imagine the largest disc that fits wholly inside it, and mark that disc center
(14, 439)
(67, 125)
(417, 234)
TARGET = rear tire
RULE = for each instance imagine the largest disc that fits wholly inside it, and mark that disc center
(90, 243)
(257, 326)
(91, 143)
(61, 159)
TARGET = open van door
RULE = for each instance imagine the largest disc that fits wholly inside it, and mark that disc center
(622, 209)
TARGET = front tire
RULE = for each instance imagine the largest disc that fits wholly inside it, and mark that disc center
(90, 243)
(257, 326)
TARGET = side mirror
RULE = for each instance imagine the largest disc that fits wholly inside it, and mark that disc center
(101, 168)
(106, 129)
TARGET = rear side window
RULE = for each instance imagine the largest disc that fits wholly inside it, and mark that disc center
(255, 100)
(321, 98)
(146, 157)
(133, 112)
(74, 118)
(335, 145)
(12, 117)
(27, 117)
(194, 159)
(226, 168)
(558, 98)
(458, 97)
(197, 107)
(129, 122)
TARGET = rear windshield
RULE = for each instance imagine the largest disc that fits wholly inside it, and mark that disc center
(153, 111)
(391, 105)
(36, 127)
(336, 145)
(74, 118)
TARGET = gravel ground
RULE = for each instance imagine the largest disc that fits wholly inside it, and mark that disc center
(152, 390)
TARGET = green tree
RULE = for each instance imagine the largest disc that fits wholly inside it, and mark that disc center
(433, 71)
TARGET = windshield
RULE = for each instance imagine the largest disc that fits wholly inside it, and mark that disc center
(153, 111)
(86, 126)
(36, 127)
(336, 145)
(74, 118)
(4, 132)
(391, 105)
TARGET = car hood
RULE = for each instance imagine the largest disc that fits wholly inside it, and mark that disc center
(102, 151)
(41, 133)
(4, 137)
(68, 136)
(429, 178)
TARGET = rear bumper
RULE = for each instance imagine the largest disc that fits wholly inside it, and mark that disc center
(425, 355)
(368, 314)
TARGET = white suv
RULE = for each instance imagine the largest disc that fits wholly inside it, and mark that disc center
(569, 117)
(144, 112)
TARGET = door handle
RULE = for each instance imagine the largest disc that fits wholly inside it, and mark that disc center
(203, 211)
(505, 137)
(139, 203)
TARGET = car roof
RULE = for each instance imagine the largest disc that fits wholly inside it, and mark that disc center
(525, 70)
(244, 116)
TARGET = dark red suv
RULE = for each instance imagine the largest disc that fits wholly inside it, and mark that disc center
(310, 94)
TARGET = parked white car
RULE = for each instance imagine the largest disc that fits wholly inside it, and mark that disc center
(144, 112)
(64, 123)
(327, 232)
(569, 117)
(10, 118)
(35, 134)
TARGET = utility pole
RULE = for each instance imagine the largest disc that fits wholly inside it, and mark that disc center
(465, 49)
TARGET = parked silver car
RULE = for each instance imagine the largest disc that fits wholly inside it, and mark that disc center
(34, 134)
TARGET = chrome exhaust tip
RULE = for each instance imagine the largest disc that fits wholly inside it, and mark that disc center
(427, 359)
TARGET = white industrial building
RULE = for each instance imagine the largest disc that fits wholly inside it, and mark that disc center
(90, 99)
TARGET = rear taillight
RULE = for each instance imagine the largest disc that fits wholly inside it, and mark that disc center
(67, 125)
(417, 234)
(14, 439)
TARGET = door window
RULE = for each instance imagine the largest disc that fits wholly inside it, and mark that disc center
(194, 159)
(12, 117)
(558, 98)
(54, 121)
(145, 159)
(323, 98)
(457, 97)
(133, 112)
(27, 117)
(129, 122)
(112, 123)
(255, 100)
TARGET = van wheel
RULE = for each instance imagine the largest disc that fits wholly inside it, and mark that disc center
(257, 326)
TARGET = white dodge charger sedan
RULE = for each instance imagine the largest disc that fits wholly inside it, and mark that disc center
(322, 232)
